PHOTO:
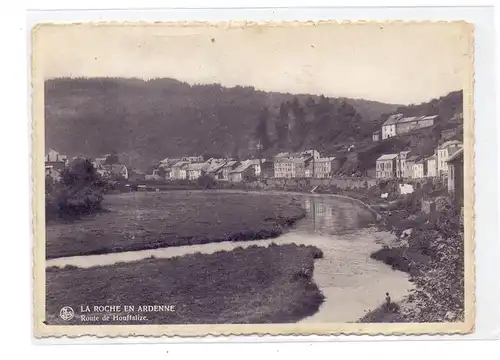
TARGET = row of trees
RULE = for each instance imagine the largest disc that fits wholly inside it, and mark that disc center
(314, 123)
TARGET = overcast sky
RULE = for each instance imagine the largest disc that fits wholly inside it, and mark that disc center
(395, 63)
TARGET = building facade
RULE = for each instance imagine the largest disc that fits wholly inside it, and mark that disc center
(443, 153)
(419, 169)
(243, 172)
(402, 171)
(179, 170)
(456, 176)
(408, 124)
(53, 156)
(194, 171)
(432, 166)
(386, 166)
(389, 126)
(410, 165)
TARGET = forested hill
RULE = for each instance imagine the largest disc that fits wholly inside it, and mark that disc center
(330, 124)
(148, 120)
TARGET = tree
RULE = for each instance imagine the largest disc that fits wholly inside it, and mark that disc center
(299, 130)
(81, 191)
(282, 126)
(80, 173)
(161, 172)
(262, 129)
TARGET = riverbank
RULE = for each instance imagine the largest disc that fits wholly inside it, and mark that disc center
(138, 221)
(243, 286)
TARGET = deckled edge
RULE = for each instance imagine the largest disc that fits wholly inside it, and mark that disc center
(42, 331)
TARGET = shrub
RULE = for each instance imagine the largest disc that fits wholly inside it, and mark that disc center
(439, 284)
(206, 181)
(78, 193)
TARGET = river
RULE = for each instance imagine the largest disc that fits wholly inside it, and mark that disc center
(350, 280)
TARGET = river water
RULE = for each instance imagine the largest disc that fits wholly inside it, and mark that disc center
(350, 280)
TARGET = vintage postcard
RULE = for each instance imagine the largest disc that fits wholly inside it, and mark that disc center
(287, 178)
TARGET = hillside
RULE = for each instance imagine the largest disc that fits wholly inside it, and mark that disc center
(145, 121)
(421, 142)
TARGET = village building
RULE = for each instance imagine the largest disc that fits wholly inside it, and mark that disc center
(53, 156)
(389, 126)
(376, 135)
(432, 166)
(410, 166)
(448, 133)
(401, 171)
(223, 172)
(325, 167)
(179, 170)
(53, 170)
(295, 165)
(397, 124)
(192, 159)
(243, 172)
(98, 162)
(408, 124)
(195, 170)
(267, 169)
(256, 164)
(309, 153)
(299, 168)
(419, 169)
(386, 166)
(115, 170)
(456, 176)
(283, 167)
(212, 166)
(443, 153)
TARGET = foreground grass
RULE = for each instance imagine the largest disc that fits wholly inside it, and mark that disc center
(137, 221)
(252, 285)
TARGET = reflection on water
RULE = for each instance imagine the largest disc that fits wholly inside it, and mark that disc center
(326, 215)
(350, 280)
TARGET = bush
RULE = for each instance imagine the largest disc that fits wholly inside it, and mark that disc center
(206, 181)
(439, 284)
(78, 193)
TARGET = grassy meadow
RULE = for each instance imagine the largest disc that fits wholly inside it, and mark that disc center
(252, 285)
(146, 220)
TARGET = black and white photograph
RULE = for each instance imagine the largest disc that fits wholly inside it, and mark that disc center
(276, 178)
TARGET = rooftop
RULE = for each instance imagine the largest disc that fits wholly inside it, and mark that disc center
(458, 154)
(242, 167)
(388, 157)
(393, 119)
(399, 119)
(450, 143)
(196, 166)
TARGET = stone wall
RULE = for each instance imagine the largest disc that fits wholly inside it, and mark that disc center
(341, 182)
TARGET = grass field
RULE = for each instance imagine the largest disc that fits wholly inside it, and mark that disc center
(252, 285)
(137, 221)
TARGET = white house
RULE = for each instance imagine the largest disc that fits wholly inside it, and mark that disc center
(418, 169)
(432, 166)
(443, 153)
(179, 170)
(402, 170)
(389, 126)
(54, 156)
(386, 166)
(195, 170)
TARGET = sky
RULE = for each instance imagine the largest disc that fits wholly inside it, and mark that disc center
(399, 63)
